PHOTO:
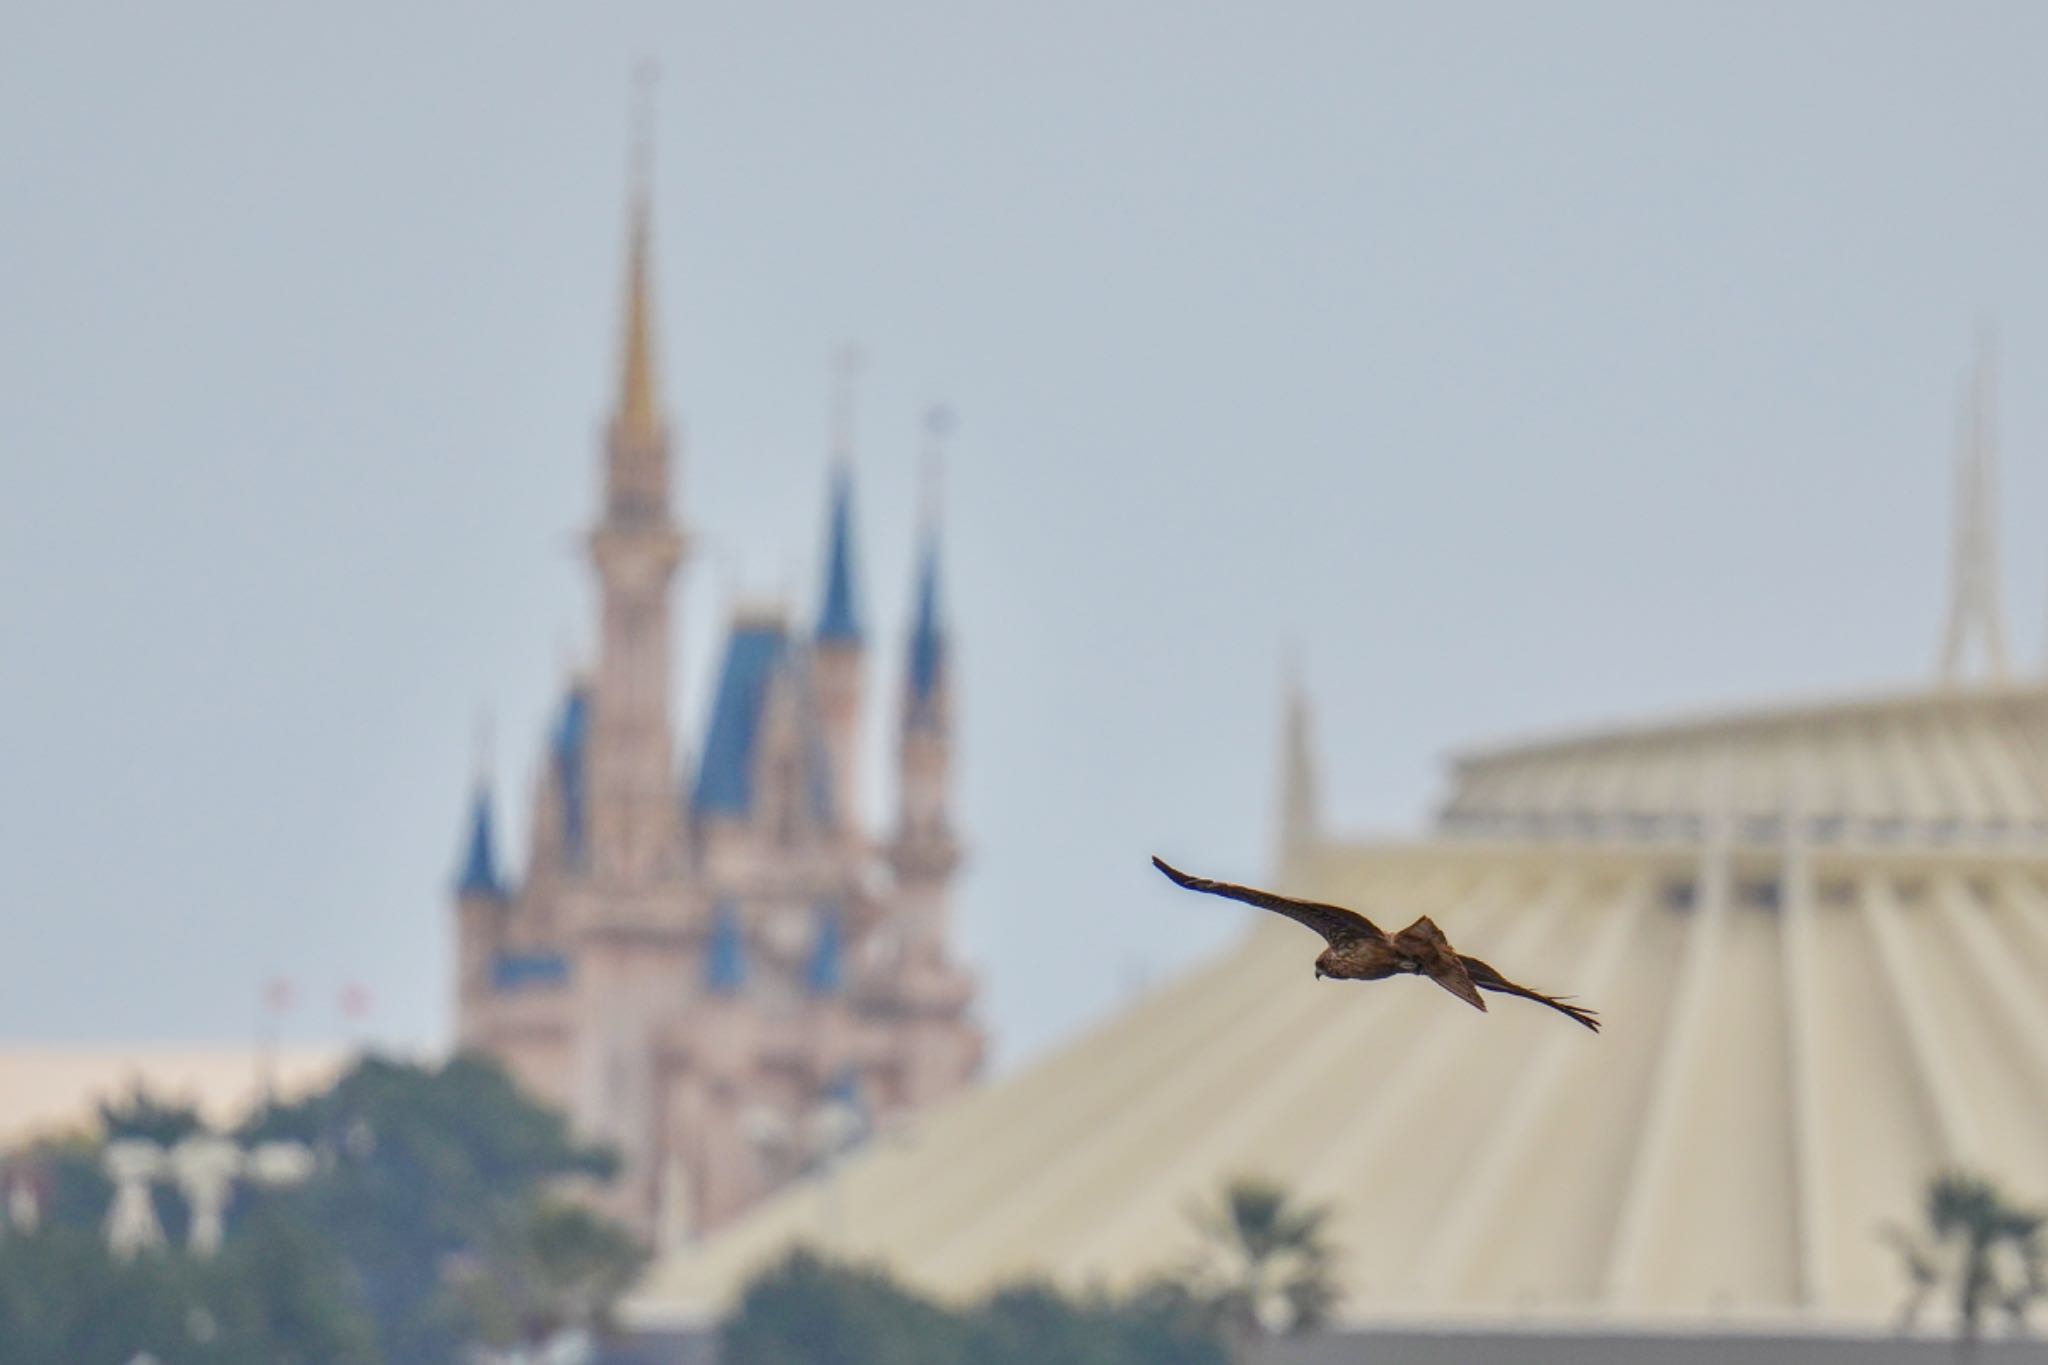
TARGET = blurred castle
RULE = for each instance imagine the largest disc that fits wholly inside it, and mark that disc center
(724, 973)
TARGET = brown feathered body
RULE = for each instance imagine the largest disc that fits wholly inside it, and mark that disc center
(1360, 950)
(1419, 950)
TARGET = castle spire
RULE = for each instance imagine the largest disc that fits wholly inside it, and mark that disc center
(479, 873)
(839, 617)
(1973, 566)
(632, 825)
(928, 634)
(639, 410)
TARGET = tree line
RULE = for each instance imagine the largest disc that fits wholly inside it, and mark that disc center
(432, 1226)
(438, 1220)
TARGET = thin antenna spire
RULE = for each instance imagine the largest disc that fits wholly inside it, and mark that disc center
(1300, 814)
(847, 363)
(1973, 564)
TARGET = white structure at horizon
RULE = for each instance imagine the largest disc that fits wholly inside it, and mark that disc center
(132, 1164)
(204, 1166)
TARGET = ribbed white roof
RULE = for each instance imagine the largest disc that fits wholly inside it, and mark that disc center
(1942, 765)
(1800, 1031)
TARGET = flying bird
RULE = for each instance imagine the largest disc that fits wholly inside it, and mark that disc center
(1360, 951)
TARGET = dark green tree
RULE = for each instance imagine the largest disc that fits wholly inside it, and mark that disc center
(431, 1185)
(811, 1311)
(425, 1171)
(557, 1266)
(1988, 1249)
(1266, 1266)
(66, 1170)
(270, 1298)
(142, 1115)
(284, 1284)
(1028, 1323)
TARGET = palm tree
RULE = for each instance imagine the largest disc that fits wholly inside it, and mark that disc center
(1266, 1266)
(1990, 1250)
(558, 1269)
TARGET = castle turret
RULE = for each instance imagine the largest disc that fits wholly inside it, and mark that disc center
(840, 651)
(925, 741)
(626, 958)
(558, 841)
(636, 549)
(481, 904)
(686, 972)
(941, 1046)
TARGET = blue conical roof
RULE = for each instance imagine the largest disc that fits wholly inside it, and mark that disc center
(927, 638)
(725, 774)
(572, 735)
(479, 874)
(839, 617)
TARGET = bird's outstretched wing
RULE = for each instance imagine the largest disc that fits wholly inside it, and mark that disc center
(1486, 978)
(1333, 922)
(1426, 944)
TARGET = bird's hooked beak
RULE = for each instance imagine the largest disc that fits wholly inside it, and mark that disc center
(1320, 973)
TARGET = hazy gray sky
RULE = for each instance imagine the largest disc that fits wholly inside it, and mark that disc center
(1529, 365)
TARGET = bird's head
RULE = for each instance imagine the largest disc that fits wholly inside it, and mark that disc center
(1323, 965)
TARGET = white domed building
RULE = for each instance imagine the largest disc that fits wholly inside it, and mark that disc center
(1817, 936)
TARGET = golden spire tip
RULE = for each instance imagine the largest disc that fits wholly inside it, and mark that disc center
(639, 412)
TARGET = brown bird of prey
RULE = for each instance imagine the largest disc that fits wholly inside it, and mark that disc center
(1360, 951)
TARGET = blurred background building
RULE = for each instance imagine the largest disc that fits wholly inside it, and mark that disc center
(721, 965)
(1817, 935)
